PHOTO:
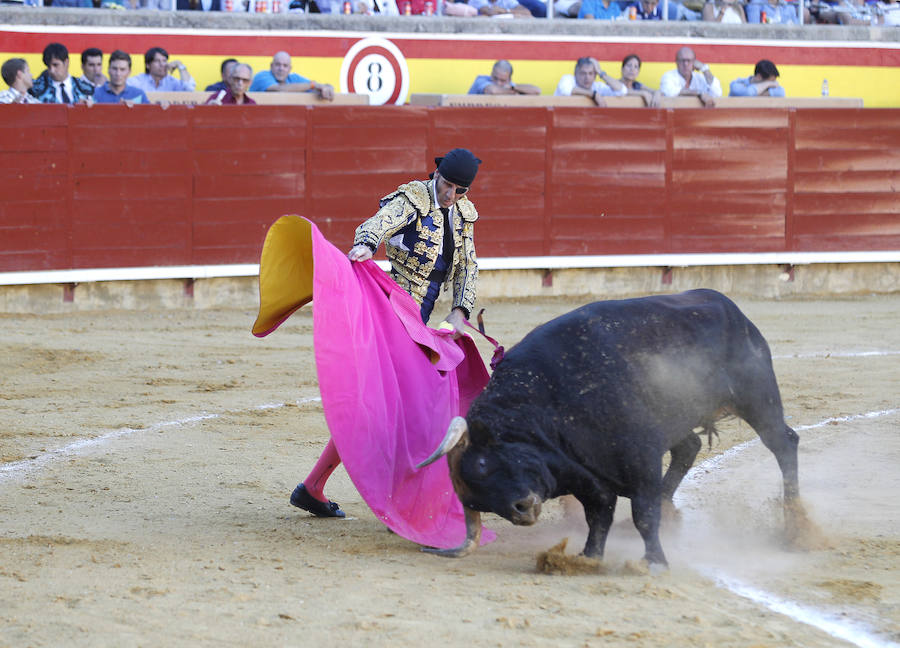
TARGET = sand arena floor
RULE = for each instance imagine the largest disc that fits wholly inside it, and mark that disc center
(146, 460)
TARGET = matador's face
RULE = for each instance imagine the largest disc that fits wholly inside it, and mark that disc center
(447, 192)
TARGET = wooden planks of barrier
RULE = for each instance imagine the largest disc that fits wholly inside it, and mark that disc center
(107, 186)
(263, 98)
(631, 102)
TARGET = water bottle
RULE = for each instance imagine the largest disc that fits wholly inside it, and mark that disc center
(824, 87)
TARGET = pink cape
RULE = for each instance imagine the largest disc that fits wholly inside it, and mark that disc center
(390, 385)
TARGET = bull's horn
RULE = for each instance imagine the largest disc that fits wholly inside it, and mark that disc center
(456, 431)
(473, 537)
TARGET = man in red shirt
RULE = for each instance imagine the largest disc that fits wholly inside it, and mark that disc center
(238, 81)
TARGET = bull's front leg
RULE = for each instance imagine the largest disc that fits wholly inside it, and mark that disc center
(598, 511)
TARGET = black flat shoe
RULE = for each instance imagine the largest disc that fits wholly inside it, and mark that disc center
(302, 499)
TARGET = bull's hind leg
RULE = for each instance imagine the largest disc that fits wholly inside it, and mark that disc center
(763, 411)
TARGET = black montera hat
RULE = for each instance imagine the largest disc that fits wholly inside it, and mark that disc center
(459, 166)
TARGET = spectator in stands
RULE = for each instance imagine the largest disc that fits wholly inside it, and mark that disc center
(631, 68)
(17, 75)
(646, 10)
(724, 11)
(198, 5)
(379, 7)
(225, 70)
(55, 84)
(236, 94)
(691, 78)
(855, 12)
(566, 8)
(822, 11)
(92, 67)
(459, 8)
(279, 78)
(775, 11)
(888, 12)
(157, 77)
(764, 82)
(500, 82)
(512, 7)
(117, 90)
(584, 82)
(599, 9)
(119, 4)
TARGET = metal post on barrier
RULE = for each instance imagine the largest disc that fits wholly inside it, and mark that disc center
(665, 10)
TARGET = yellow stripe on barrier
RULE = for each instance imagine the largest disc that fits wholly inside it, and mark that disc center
(879, 87)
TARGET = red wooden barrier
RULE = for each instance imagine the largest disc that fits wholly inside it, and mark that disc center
(109, 186)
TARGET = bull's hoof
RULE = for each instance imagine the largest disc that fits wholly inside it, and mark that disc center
(644, 568)
(302, 499)
(456, 552)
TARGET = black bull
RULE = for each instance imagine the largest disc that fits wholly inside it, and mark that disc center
(588, 403)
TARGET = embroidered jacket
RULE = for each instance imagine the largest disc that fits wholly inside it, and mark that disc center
(413, 206)
(44, 91)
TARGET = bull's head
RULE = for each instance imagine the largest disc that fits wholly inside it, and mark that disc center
(509, 479)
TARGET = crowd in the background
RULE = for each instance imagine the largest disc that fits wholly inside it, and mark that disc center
(56, 84)
(844, 12)
(689, 78)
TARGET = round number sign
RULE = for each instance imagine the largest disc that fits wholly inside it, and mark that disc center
(376, 67)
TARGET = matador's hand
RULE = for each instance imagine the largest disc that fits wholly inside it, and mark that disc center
(359, 253)
(457, 320)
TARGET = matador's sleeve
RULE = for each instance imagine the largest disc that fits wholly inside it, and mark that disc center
(465, 276)
(396, 212)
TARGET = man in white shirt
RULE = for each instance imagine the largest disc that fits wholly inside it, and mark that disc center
(158, 77)
(17, 75)
(584, 82)
(691, 78)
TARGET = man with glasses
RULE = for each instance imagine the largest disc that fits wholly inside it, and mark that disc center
(691, 78)
(427, 228)
(239, 79)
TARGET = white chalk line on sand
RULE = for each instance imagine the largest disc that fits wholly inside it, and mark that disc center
(845, 629)
(838, 354)
(18, 468)
(841, 629)
(697, 472)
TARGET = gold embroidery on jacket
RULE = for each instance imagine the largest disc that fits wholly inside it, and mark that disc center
(410, 269)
